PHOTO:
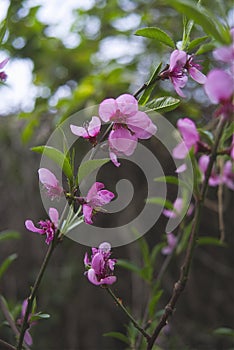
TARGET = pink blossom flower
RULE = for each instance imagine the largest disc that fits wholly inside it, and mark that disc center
(190, 136)
(96, 198)
(47, 227)
(176, 71)
(228, 175)
(172, 242)
(219, 87)
(3, 75)
(100, 267)
(129, 125)
(27, 337)
(177, 209)
(214, 179)
(50, 182)
(88, 131)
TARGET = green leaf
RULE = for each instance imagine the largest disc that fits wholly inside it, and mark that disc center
(211, 241)
(160, 201)
(128, 266)
(224, 331)
(88, 167)
(57, 156)
(157, 249)
(150, 86)
(153, 303)
(163, 104)
(117, 335)
(156, 33)
(184, 239)
(6, 263)
(8, 234)
(204, 18)
(39, 316)
(196, 42)
(205, 48)
(3, 28)
(207, 135)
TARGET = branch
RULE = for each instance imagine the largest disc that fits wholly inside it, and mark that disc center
(34, 290)
(184, 272)
(7, 345)
(120, 304)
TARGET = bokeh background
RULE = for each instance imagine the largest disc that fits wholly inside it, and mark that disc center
(65, 56)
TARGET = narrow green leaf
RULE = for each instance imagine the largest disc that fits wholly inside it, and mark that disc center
(196, 42)
(150, 86)
(39, 316)
(6, 263)
(88, 167)
(184, 239)
(160, 201)
(128, 266)
(154, 253)
(156, 33)
(207, 135)
(153, 303)
(211, 241)
(224, 331)
(8, 234)
(3, 28)
(163, 104)
(144, 247)
(205, 48)
(117, 335)
(204, 18)
(57, 156)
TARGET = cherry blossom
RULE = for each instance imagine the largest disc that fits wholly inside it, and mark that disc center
(50, 182)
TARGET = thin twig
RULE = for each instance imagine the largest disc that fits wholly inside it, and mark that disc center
(120, 304)
(184, 272)
(7, 345)
(220, 207)
(34, 290)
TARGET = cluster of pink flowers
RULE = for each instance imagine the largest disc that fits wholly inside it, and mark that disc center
(100, 267)
(181, 65)
(128, 126)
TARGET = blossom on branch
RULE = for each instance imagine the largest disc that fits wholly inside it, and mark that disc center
(100, 267)
(228, 174)
(46, 227)
(50, 183)
(203, 162)
(27, 337)
(171, 244)
(95, 199)
(89, 131)
(129, 125)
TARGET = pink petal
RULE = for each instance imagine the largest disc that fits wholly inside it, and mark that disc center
(141, 125)
(219, 86)
(97, 186)
(27, 338)
(197, 75)
(31, 227)
(79, 131)
(122, 141)
(111, 263)
(98, 263)
(105, 247)
(24, 307)
(172, 240)
(225, 53)
(3, 63)
(169, 213)
(180, 151)
(166, 250)
(114, 159)
(188, 131)
(86, 260)
(108, 109)
(181, 169)
(178, 205)
(108, 280)
(92, 277)
(203, 163)
(103, 197)
(94, 126)
(178, 59)
(47, 178)
(127, 104)
(87, 211)
(179, 83)
(54, 216)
